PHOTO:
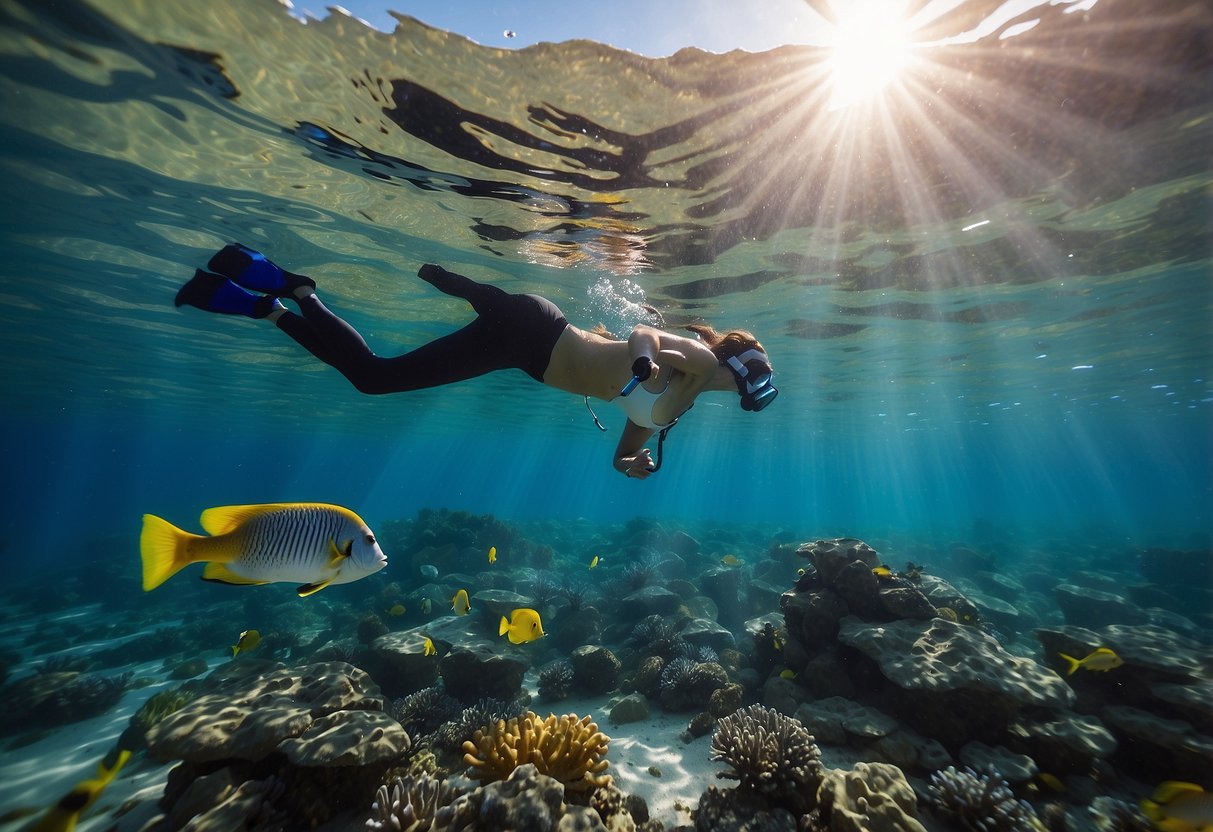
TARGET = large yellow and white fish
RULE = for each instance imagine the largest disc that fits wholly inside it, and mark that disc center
(63, 816)
(313, 543)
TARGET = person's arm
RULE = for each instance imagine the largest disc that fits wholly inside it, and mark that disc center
(631, 457)
(686, 355)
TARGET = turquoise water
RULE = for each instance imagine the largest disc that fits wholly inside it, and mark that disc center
(985, 292)
(1044, 373)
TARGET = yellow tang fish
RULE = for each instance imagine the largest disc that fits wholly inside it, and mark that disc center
(248, 640)
(787, 673)
(1100, 659)
(397, 609)
(460, 603)
(731, 560)
(428, 648)
(492, 554)
(522, 626)
(314, 543)
(594, 563)
(1176, 806)
(62, 817)
(882, 571)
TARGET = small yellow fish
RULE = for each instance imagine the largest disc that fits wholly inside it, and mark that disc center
(313, 543)
(787, 673)
(429, 649)
(248, 640)
(777, 641)
(460, 603)
(594, 563)
(882, 571)
(1101, 659)
(522, 626)
(1176, 806)
(492, 554)
(397, 609)
(731, 560)
(63, 816)
(426, 606)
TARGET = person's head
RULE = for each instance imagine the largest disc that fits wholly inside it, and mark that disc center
(746, 359)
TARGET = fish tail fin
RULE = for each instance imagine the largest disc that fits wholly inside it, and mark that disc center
(1073, 662)
(235, 650)
(164, 550)
(504, 627)
(109, 773)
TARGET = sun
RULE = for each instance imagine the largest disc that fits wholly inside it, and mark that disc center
(871, 46)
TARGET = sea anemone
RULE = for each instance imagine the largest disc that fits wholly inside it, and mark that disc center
(575, 593)
(409, 803)
(640, 573)
(543, 591)
(768, 753)
(555, 681)
(484, 714)
(979, 802)
(654, 636)
(687, 684)
(423, 712)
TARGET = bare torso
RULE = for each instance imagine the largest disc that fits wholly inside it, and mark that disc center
(589, 364)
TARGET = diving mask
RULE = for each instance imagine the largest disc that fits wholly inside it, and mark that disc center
(754, 378)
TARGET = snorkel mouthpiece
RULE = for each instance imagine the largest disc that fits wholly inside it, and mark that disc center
(754, 377)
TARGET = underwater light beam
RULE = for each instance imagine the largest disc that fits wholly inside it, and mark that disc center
(871, 47)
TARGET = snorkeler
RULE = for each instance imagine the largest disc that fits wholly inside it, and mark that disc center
(654, 376)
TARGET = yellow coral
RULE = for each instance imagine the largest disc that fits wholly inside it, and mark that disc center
(569, 749)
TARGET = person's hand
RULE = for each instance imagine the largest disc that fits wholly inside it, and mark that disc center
(638, 467)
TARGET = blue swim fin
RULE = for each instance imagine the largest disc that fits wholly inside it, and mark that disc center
(215, 293)
(251, 269)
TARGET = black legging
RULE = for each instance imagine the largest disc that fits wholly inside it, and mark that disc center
(516, 331)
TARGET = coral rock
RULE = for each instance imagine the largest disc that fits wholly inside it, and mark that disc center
(348, 738)
(871, 797)
(769, 754)
(595, 669)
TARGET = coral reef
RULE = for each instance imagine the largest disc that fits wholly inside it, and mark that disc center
(769, 754)
(410, 803)
(569, 749)
(979, 802)
(687, 684)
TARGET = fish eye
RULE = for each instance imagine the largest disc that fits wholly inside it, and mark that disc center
(370, 539)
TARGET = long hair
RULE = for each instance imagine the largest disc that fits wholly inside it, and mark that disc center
(726, 345)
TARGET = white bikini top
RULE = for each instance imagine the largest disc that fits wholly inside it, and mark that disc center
(639, 404)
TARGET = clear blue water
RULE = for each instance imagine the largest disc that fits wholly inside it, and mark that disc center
(1045, 373)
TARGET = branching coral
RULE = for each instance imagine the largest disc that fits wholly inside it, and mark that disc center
(980, 802)
(768, 753)
(568, 749)
(409, 804)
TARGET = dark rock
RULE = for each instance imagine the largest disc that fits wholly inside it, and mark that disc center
(829, 557)
(632, 708)
(1084, 607)
(491, 605)
(704, 633)
(648, 676)
(1062, 742)
(722, 586)
(905, 602)
(825, 676)
(1150, 744)
(701, 725)
(650, 600)
(474, 671)
(595, 669)
(812, 618)
(683, 545)
(762, 596)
